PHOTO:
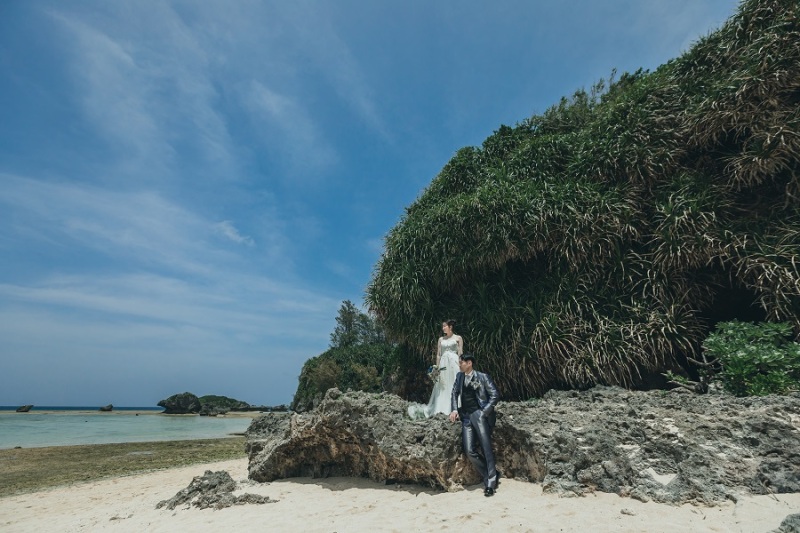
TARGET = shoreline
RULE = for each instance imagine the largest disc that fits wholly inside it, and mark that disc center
(128, 412)
(128, 503)
(69, 428)
(34, 469)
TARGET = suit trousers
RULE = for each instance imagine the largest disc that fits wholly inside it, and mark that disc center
(477, 432)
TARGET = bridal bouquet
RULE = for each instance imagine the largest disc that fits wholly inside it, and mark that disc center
(433, 372)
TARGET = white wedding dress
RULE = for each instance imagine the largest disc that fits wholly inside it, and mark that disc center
(443, 388)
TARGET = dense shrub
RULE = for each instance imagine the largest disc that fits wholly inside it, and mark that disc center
(598, 242)
(222, 402)
(755, 359)
(359, 358)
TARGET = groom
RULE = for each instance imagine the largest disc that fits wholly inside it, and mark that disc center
(478, 396)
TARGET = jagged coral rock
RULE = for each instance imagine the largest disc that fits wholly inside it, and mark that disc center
(656, 445)
(360, 435)
(212, 489)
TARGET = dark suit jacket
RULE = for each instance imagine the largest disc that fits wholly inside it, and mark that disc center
(487, 394)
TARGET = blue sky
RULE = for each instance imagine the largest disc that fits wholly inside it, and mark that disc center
(189, 190)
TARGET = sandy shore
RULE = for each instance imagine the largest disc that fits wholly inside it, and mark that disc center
(344, 504)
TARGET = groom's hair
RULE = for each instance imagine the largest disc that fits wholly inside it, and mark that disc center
(468, 357)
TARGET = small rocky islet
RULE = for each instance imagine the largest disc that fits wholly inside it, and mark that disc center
(187, 403)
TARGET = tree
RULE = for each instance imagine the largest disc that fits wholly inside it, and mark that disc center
(359, 358)
(354, 328)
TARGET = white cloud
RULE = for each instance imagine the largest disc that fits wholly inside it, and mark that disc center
(127, 279)
(158, 84)
(227, 229)
(286, 124)
(146, 84)
(137, 229)
(248, 307)
(331, 54)
(170, 248)
(115, 93)
(130, 360)
(134, 226)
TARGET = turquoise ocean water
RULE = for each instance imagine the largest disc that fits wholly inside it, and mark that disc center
(65, 426)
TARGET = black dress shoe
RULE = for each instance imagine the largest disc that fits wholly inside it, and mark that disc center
(488, 491)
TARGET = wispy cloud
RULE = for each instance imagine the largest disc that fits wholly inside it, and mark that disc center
(329, 52)
(132, 277)
(248, 307)
(145, 84)
(227, 229)
(140, 228)
(286, 125)
(156, 85)
(94, 353)
(219, 170)
(114, 91)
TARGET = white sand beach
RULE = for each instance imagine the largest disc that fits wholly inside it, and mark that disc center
(345, 504)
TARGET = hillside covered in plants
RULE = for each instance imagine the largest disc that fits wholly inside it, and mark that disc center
(601, 241)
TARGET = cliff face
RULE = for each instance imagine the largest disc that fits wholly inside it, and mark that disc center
(666, 447)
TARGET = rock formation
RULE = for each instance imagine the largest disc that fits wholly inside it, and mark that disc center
(212, 410)
(358, 434)
(663, 446)
(212, 489)
(107, 408)
(24, 408)
(209, 405)
(790, 524)
(282, 408)
(181, 404)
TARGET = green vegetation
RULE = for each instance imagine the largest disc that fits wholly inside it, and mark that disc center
(599, 242)
(222, 402)
(754, 359)
(359, 358)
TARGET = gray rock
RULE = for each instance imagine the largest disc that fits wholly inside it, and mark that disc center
(212, 410)
(24, 408)
(107, 408)
(358, 434)
(212, 489)
(181, 404)
(790, 524)
(651, 446)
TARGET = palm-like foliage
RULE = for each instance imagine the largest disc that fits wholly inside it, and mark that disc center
(589, 244)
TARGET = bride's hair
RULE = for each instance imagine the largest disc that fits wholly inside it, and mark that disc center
(451, 323)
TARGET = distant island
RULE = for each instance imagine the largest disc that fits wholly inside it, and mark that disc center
(210, 405)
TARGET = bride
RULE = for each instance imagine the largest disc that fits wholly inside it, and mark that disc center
(449, 347)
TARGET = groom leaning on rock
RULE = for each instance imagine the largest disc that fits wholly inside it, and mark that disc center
(478, 396)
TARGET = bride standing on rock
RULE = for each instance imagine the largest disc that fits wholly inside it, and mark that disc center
(449, 347)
